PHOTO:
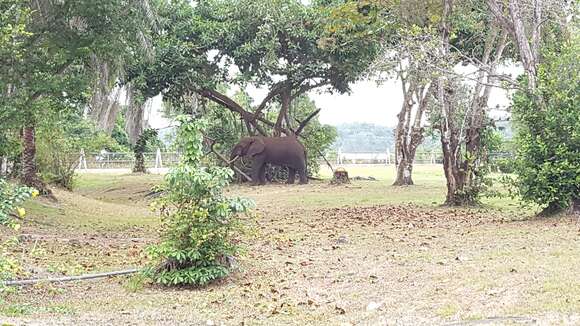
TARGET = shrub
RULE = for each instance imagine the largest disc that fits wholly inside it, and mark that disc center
(199, 223)
(548, 134)
(505, 165)
(11, 197)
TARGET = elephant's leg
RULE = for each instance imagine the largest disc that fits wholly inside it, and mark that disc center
(263, 174)
(303, 175)
(257, 166)
(291, 175)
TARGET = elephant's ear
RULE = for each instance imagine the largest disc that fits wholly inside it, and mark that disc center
(256, 147)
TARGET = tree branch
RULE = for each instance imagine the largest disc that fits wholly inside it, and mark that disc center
(230, 104)
(305, 122)
(305, 88)
(276, 90)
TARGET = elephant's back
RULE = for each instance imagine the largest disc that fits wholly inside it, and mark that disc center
(284, 150)
(286, 141)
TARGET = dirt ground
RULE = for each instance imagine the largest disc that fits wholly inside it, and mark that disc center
(361, 254)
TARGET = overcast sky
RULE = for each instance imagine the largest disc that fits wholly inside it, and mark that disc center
(368, 102)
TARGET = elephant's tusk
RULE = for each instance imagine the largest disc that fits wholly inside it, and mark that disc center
(233, 160)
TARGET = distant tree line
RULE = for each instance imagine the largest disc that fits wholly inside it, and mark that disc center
(356, 137)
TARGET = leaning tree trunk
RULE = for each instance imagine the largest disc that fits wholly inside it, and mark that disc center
(527, 40)
(29, 173)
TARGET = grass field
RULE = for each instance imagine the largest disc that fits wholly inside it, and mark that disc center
(365, 253)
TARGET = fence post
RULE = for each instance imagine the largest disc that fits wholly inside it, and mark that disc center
(4, 166)
(388, 160)
(82, 160)
(432, 157)
(158, 161)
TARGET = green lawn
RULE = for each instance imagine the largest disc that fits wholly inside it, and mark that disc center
(402, 253)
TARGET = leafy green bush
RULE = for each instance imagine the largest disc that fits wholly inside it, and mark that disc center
(9, 265)
(505, 165)
(548, 134)
(11, 196)
(199, 223)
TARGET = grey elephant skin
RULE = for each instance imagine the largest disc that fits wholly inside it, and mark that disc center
(282, 151)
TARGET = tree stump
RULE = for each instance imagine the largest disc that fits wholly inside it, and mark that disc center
(340, 177)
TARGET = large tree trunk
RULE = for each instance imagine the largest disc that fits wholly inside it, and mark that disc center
(104, 104)
(448, 130)
(462, 169)
(404, 173)
(29, 173)
(454, 174)
(135, 121)
(139, 163)
(409, 133)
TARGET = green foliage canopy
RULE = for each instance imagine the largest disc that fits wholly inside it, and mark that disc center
(548, 138)
(282, 45)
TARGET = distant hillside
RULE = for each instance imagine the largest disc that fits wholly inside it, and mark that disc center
(368, 137)
(363, 137)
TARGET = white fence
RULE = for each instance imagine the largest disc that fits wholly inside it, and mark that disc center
(386, 157)
(107, 160)
(159, 159)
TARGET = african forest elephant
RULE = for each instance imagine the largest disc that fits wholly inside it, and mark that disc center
(284, 151)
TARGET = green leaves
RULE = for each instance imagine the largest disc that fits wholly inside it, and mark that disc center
(548, 160)
(146, 137)
(198, 222)
(11, 196)
(264, 43)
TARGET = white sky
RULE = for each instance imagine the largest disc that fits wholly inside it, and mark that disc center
(368, 102)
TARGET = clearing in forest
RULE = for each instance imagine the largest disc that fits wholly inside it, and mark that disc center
(364, 253)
